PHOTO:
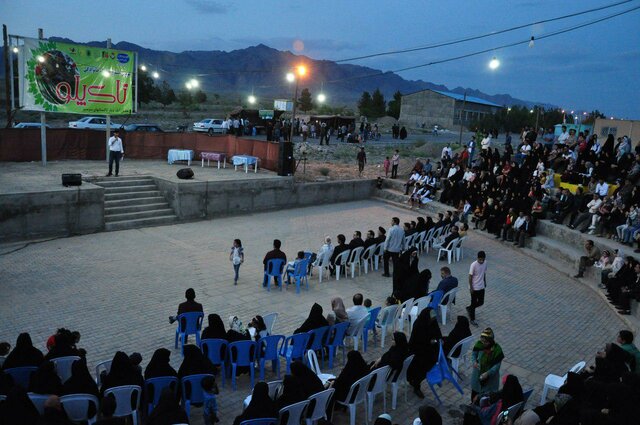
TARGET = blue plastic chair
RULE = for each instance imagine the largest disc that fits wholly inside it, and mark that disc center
(153, 388)
(335, 339)
(317, 340)
(439, 373)
(242, 353)
(300, 274)
(192, 392)
(294, 347)
(370, 326)
(269, 349)
(436, 297)
(216, 351)
(188, 324)
(261, 421)
(21, 375)
(274, 269)
(307, 256)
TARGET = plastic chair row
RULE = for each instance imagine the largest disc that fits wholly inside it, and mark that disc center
(62, 365)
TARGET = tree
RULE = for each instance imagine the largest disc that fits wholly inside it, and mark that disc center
(167, 95)
(186, 102)
(305, 103)
(146, 87)
(393, 107)
(200, 97)
(364, 104)
(378, 105)
(591, 118)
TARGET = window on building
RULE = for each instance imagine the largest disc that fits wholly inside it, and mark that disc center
(605, 131)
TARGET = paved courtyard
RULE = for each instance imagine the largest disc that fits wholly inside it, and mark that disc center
(118, 289)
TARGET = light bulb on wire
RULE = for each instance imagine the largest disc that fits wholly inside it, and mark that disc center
(531, 43)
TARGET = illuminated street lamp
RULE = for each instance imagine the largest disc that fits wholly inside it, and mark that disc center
(106, 74)
(494, 63)
(300, 71)
(252, 99)
(188, 85)
(143, 68)
(322, 98)
(194, 83)
(155, 75)
(15, 49)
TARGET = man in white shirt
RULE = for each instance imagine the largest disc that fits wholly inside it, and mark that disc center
(393, 244)
(116, 152)
(585, 217)
(412, 180)
(469, 175)
(356, 313)
(562, 138)
(486, 142)
(446, 151)
(602, 188)
(477, 285)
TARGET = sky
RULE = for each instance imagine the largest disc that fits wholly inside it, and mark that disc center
(594, 67)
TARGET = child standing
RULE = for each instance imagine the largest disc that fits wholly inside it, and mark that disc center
(210, 403)
(386, 164)
(236, 257)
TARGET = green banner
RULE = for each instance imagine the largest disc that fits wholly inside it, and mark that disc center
(71, 78)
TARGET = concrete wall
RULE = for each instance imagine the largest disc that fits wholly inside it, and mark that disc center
(65, 212)
(426, 107)
(629, 128)
(200, 200)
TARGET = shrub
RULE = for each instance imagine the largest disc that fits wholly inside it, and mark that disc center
(324, 171)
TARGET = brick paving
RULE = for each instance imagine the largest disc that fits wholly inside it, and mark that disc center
(118, 289)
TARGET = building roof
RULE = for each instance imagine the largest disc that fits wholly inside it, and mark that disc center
(470, 99)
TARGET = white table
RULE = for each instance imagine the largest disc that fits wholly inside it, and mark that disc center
(180, 155)
(246, 161)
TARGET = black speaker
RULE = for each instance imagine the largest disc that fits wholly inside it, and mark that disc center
(71, 180)
(285, 159)
(185, 173)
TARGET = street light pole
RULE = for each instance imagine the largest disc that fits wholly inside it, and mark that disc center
(293, 112)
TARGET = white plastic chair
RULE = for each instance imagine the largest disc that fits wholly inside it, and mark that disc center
(76, 406)
(295, 413)
(63, 366)
(322, 264)
(513, 411)
(342, 260)
(387, 320)
(554, 382)
(459, 249)
(377, 254)
(356, 333)
(322, 400)
(426, 241)
(402, 314)
(355, 259)
(434, 238)
(123, 395)
(418, 240)
(408, 242)
(104, 366)
(449, 297)
(401, 381)
(270, 322)
(379, 387)
(449, 250)
(463, 357)
(274, 389)
(356, 395)
(416, 307)
(315, 367)
(38, 401)
(368, 258)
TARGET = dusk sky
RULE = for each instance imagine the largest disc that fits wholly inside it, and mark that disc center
(595, 67)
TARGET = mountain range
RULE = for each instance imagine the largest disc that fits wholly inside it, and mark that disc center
(261, 69)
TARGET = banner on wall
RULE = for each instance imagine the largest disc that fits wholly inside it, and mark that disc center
(75, 79)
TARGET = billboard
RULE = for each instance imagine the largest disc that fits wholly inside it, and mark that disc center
(76, 79)
(283, 105)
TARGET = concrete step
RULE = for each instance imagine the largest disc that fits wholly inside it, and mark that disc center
(159, 212)
(133, 201)
(108, 212)
(107, 184)
(129, 189)
(141, 222)
(131, 195)
(555, 249)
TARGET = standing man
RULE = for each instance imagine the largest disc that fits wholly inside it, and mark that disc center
(477, 285)
(395, 161)
(393, 244)
(116, 152)
(362, 159)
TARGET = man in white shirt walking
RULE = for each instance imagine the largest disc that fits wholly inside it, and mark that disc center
(477, 285)
(393, 244)
(116, 152)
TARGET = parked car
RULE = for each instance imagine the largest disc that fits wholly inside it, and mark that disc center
(208, 125)
(93, 123)
(30, 125)
(147, 128)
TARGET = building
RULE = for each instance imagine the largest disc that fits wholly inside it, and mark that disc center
(427, 108)
(603, 127)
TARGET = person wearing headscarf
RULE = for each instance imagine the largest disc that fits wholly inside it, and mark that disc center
(337, 305)
(261, 405)
(500, 401)
(308, 380)
(384, 419)
(487, 358)
(427, 415)
(54, 414)
(236, 331)
(122, 372)
(459, 332)
(257, 328)
(45, 380)
(64, 345)
(168, 410)
(18, 409)
(355, 369)
(215, 330)
(424, 344)
(314, 321)
(24, 354)
(416, 286)
(107, 409)
(194, 363)
(611, 363)
(404, 267)
(80, 381)
(395, 355)
(159, 365)
(292, 392)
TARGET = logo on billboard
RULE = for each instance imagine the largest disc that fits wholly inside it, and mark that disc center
(123, 57)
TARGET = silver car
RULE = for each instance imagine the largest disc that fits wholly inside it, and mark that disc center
(93, 123)
(208, 125)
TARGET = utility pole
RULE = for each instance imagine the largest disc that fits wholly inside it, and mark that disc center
(108, 118)
(293, 112)
(464, 103)
(43, 121)
(8, 85)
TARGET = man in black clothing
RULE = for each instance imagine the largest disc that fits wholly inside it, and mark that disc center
(357, 240)
(189, 306)
(275, 253)
(339, 249)
(382, 235)
(362, 160)
(371, 239)
(563, 206)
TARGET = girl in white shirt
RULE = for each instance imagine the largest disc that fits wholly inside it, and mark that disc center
(237, 258)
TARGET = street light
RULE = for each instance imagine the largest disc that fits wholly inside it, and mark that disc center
(322, 98)
(291, 77)
(106, 74)
(15, 49)
(194, 83)
(252, 99)
(143, 68)
(494, 63)
(188, 85)
(155, 75)
(301, 71)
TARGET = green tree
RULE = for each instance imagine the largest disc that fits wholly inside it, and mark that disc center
(305, 102)
(364, 104)
(591, 118)
(393, 107)
(167, 95)
(378, 105)
(185, 99)
(200, 97)
(146, 87)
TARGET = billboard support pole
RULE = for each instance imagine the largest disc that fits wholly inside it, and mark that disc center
(43, 122)
(5, 39)
(108, 128)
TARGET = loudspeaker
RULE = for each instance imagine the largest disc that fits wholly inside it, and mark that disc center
(71, 179)
(185, 173)
(285, 159)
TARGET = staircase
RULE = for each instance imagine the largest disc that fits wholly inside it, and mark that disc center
(131, 202)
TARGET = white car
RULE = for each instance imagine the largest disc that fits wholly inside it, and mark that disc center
(30, 125)
(208, 125)
(93, 123)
